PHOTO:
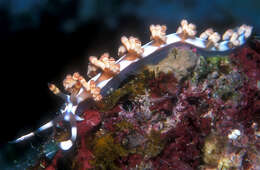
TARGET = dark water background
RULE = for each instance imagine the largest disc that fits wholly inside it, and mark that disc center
(42, 41)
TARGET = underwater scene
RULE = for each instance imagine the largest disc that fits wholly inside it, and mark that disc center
(186, 99)
(170, 104)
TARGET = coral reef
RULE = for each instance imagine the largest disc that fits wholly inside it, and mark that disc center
(208, 119)
(194, 109)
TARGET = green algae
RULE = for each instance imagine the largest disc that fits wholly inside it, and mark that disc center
(201, 71)
(154, 145)
(133, 88)
(226, 93)
(228, 85)
(221, 64)
(220, 154)
(124, 125)
(206, 66)
(212, 149)
(106, 151)
(219, 73)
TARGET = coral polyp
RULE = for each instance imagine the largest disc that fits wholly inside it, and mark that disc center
(177, 102)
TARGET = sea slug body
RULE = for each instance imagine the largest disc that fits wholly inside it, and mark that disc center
(131, 53)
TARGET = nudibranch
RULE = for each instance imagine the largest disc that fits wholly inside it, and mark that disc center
(105, 73)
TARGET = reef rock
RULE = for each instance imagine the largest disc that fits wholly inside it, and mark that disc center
(179, 61)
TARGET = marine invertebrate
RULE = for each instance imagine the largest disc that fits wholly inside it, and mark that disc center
(106, 64)
(158, 34)
(133, 56)
(133, 46)
(212, 37)
(186, 30)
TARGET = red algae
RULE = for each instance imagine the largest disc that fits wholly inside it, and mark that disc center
(199, 121)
